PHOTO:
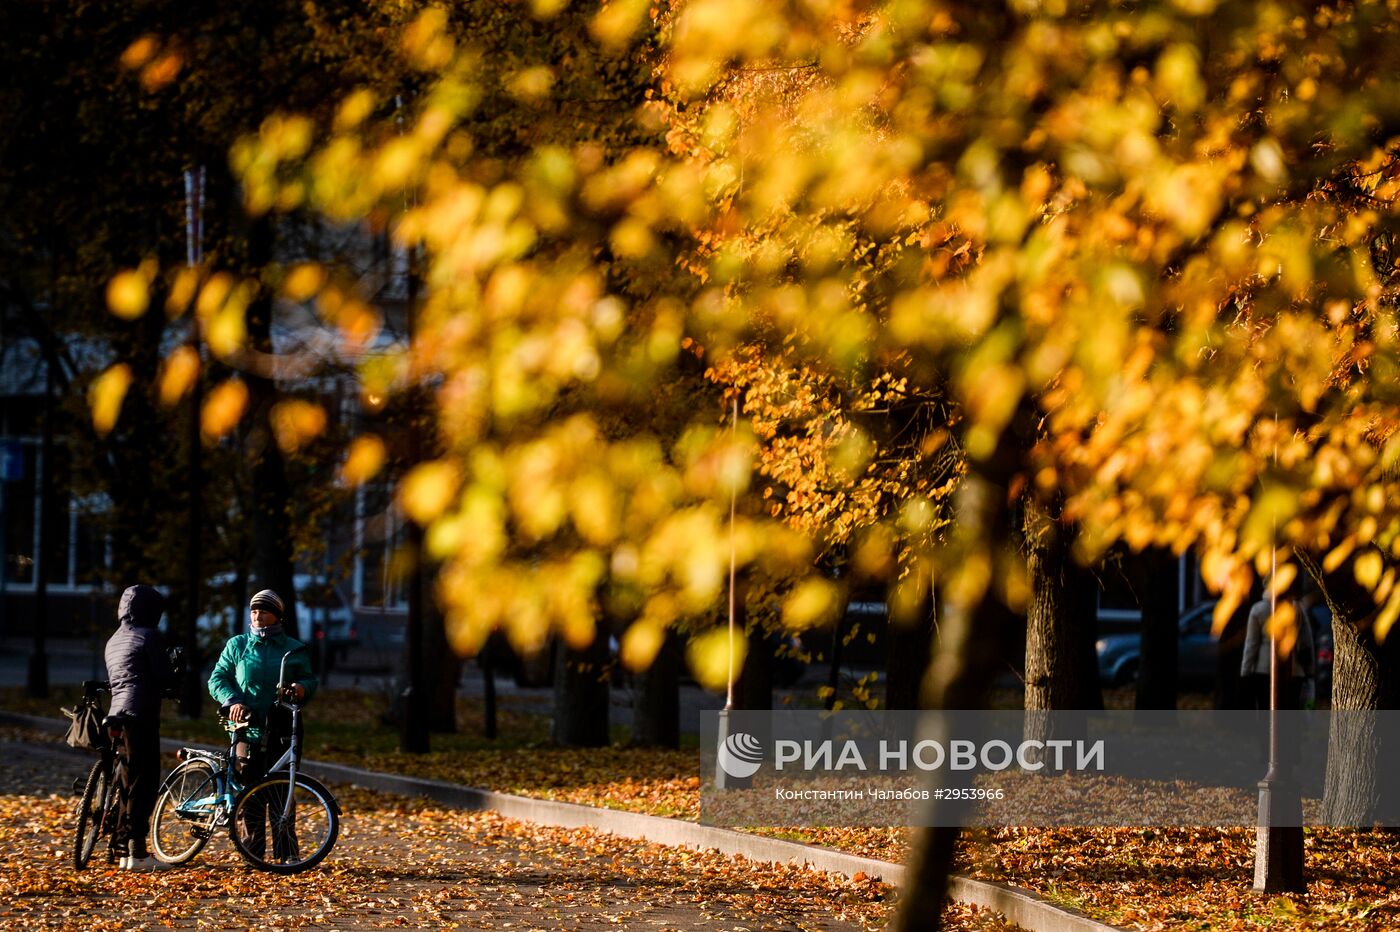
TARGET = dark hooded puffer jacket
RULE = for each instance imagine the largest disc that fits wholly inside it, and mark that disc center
(137, 664)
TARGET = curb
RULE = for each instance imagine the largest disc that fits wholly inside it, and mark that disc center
(1021, 907)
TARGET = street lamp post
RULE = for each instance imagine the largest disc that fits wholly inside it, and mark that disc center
(1278, 843)
(722, 779)
(413, 733)
(192, 692)
(39, 658)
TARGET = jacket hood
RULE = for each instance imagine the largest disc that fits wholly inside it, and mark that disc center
(140, 607)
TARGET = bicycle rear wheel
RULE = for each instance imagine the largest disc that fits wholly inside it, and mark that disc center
(97, 793)
(285, 839)
(186, 810)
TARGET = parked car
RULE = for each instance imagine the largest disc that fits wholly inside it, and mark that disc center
(322, 614)
(1197, 649)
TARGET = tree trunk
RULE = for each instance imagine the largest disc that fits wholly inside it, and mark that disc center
(909, 644)
(488, 695)
(656, 699)
(1060, 672)
(1158, 660)
(192, 687)
(442, 669)
(495, 657)
(1085, 586)
(135, 452)
(272, 532)
(960, 675)
(581, 695)
(1361, 788)
(754, 690)
(1361, 784)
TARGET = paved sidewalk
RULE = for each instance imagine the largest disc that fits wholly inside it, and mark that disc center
(403, 862)
(976, 904)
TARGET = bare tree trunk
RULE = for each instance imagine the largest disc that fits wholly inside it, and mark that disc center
(1060, 672)
(754, 690)
(1158, 660)
(1361, 788)
(441, 667)
(656, 699)
(488, 695)
(272, 532)
(581, 706)
(962, 670)
(909, 645)
(1361, 758)
(192, 689)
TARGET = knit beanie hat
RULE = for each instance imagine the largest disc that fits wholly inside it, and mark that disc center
(268, 601)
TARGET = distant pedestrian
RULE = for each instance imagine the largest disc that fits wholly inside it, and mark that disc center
(1295, 669)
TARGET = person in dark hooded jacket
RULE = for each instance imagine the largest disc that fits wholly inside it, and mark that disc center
(140, 671)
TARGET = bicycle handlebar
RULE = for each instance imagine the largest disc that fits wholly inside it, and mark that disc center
(285, 691)
(282, 683)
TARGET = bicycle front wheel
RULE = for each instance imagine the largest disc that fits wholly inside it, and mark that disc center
(96, 794)
(285, 833)
(185, 811)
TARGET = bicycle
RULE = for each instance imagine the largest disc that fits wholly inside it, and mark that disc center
(205, 792)
(102, 807)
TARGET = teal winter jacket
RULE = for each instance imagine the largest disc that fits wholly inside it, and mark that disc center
(246, 672)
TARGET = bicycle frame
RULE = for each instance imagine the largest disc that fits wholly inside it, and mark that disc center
(107, 821)
(227, 784)
(291, 758)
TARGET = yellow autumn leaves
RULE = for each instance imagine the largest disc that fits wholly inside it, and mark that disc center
(1073, 227)
(128, 293)
(156, 62)
(105, 397)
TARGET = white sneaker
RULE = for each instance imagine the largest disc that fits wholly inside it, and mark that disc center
(149, 863)
(124, 863)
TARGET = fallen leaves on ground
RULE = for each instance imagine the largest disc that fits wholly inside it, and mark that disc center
(1140, 878)
(410, 862)
(1176, 878)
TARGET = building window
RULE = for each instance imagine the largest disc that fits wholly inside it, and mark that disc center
(78, 551)
(21, 505)
(90, 551)
(379, 534)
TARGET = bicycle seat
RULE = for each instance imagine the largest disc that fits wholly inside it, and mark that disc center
(230, 725)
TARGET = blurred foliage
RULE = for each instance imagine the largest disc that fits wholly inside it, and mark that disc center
(114, 104)
(1149, 243)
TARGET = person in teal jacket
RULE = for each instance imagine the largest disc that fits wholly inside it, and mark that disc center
(244, 682)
